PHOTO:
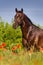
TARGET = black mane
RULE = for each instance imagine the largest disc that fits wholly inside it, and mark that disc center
(29, 20)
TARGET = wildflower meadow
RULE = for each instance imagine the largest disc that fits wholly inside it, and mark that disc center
(11, 49)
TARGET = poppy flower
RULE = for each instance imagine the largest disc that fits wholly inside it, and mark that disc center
(14, 48)
(41, 49)
(18, 46)
(0, 46)
(4, 44)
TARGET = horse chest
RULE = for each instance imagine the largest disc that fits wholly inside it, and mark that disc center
(28, 36)
(27, 32)
(25, 35)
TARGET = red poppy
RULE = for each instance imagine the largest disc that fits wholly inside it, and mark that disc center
(0, 46)
(4, 44)
(42, 49)
(18, 46)
(14, 48)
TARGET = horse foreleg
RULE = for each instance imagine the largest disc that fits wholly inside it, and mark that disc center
(24, 42)
(36, 46)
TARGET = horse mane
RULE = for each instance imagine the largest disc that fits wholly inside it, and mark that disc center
(29, 21)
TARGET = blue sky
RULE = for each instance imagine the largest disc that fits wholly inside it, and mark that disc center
(32, 8)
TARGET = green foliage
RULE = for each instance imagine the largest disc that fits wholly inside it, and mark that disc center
(8, 34)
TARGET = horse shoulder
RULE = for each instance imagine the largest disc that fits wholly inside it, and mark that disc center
(29, 31)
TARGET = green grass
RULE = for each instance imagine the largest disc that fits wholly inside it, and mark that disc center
(22, 58)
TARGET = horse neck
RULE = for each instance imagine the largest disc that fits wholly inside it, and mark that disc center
(26, 24)
(27, 20)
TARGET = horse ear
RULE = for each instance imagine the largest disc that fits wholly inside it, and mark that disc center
(22, 9)
(16, 9)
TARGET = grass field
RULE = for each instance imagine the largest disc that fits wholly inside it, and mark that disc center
(7, 57)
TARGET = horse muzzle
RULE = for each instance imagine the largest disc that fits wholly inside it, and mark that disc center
(15, 25)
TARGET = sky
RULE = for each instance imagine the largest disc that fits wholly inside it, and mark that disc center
(32, 8)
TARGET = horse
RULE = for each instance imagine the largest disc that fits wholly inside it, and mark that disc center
(32, 35)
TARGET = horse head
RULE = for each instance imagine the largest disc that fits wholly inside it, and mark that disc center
(18, 18)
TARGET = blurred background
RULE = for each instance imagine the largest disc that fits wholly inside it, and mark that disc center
(32, 8)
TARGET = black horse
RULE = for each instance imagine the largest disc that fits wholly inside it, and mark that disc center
(31, 34)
